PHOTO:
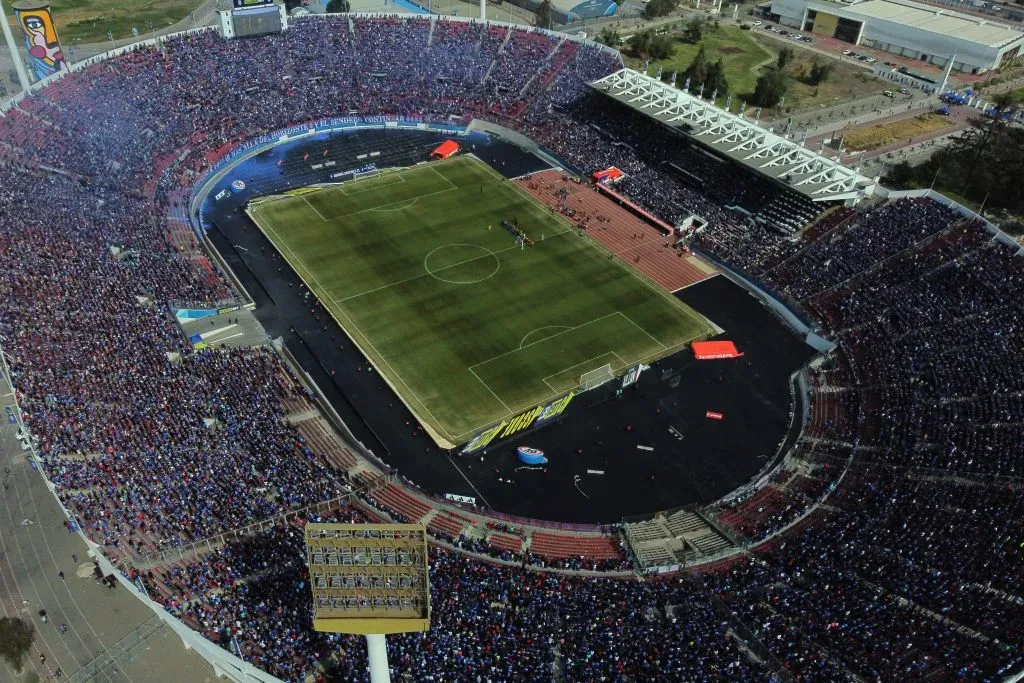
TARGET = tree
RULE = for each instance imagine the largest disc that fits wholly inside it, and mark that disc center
(770, 88)
(694, 31)
(646, 43)
(715, 81)
(660, 47)
(784, 59)
(16, 636)
(336, 6)
(609, 36)
(544, 16)
(639, 42)
(901, 176)
(697, 72)
(659, 8)
(820, 71)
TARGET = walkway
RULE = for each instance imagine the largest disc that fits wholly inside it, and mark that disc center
(111, 637)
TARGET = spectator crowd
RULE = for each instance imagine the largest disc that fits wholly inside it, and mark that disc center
(913, 571)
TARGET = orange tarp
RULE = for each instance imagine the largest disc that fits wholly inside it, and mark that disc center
(445, 149)
(710, 350)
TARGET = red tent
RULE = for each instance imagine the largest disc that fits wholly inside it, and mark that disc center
(710, 350)
(445, 150)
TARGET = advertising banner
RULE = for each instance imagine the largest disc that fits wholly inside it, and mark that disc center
(713, 350)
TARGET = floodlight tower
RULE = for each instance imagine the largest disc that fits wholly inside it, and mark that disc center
(370, 579)
(19, 66)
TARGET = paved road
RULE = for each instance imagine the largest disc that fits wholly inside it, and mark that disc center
(111, 636)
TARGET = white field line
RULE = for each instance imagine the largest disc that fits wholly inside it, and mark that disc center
(589, 360)
(442, 177)
(400, 174)
(490, 390)
(703, 322)
(295, 259)
(557, 334)
(399, 178)
(649, 335)
(546, 327)
(439, 270)
(312, 207)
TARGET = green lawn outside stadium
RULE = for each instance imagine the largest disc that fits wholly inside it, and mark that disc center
(465, 325)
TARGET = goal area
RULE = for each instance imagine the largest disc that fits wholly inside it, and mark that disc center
(595, 378)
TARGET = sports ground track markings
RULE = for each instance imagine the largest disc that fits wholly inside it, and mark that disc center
(315, 281)
(565, 331)
(559, 219)
(589, 360)
(385, 207)
(546, 327)
(434, 274)
(399, 178)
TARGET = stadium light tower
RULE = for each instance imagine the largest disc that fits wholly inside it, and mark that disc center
(370, 579)
(483, 10)
(19, 66)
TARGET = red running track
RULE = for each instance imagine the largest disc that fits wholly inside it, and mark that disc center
(629, 237)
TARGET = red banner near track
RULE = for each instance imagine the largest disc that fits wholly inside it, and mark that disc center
(710, 350)
(712, 415)
(608, 175)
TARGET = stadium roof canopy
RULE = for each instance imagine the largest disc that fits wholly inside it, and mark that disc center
(732, 136)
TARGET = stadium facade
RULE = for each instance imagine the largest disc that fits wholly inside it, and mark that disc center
(908, 29)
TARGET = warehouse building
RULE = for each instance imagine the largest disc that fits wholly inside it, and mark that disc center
(909, 29)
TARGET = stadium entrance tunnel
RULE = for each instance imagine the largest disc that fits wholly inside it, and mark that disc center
(612, 453)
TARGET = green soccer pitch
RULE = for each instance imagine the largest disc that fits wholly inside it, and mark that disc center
(468, 327)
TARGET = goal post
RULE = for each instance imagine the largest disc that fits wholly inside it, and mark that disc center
(369, 173)
(595, 378)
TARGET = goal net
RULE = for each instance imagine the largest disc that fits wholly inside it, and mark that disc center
(371, 173)
(595, 378)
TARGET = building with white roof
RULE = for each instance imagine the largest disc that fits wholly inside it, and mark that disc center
(909, 29)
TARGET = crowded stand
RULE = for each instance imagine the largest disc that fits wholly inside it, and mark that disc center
(912, 571)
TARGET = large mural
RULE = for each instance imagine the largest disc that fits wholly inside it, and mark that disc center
(45, 56)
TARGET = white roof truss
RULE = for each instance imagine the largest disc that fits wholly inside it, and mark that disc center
(734, 136)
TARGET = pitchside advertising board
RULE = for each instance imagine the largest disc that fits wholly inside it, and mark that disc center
(531, 418)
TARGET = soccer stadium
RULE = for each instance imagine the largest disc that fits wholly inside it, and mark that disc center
(328, 328)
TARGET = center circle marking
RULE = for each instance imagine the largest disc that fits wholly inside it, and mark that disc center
(484, 254)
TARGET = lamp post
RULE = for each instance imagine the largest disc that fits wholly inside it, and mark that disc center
(19, 66)
(369, 579)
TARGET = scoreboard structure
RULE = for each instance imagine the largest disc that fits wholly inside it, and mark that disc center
(240, 18)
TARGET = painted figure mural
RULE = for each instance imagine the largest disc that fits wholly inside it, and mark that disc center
(45, 56)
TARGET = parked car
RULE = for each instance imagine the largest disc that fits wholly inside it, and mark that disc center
(757, 23)
(889, 93)
(847, 52)
(870, 60)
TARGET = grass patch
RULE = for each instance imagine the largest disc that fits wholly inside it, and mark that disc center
(873, 137)
(845, 84)
(468, 328)
(740, 55)
(88, 21)
(745, 53)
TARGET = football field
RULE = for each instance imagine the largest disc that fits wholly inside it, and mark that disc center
(467, 326)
